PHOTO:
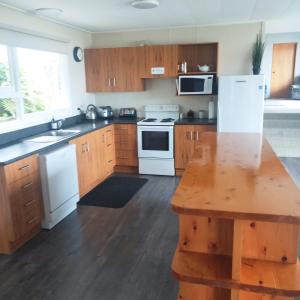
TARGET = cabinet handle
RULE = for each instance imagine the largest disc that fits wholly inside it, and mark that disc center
(29, 203)
(87, 147)
(109, 83)
(191, 135)
(110, 161)
(115, 81)
(197, 135)
(82, 148)
(24, 168)
(26, 186)
(32, 220)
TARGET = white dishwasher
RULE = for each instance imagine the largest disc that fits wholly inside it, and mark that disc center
(59, 184)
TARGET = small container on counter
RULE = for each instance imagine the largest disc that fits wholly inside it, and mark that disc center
(190, 114)
(202, 114)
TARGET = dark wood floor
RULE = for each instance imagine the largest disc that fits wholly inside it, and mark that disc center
(106, 254)
(101, 253)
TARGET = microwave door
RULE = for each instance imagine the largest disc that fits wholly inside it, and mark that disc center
(192, 85)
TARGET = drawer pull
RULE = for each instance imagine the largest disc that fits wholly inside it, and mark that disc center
(26, 186)
(33, 220)
(29, 203)
(23, 168)
(110, 161)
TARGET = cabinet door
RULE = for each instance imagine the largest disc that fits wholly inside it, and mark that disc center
(200, 129)
(187, 138)
(125, 66)
(98, 70)
(126, 145)
(184, 145)
(83, 161)
(165, 56)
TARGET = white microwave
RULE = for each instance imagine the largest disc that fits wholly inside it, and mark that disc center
(195, 84)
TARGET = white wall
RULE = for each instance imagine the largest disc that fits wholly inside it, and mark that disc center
(235, 44)
(13, 19)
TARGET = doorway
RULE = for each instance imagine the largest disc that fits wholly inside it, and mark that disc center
(283, 69)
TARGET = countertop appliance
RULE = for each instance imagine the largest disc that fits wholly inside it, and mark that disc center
(59, 184)
(91, 113)
(105, 112)
(128, 112)
(241, 103)
(156, 140)
(195, 84)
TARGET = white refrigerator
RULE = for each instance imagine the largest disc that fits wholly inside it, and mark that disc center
(241, 103)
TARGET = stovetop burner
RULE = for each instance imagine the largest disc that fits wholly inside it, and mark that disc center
(150, 120)
(167, 120)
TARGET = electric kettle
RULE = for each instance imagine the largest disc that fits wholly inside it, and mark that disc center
(91, 112)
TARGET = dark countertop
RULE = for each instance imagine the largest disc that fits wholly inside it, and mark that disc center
(196, 121)
(22, 149)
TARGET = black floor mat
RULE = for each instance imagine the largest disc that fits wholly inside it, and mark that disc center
(114, 192)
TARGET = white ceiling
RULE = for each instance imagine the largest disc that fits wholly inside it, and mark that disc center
(118, 15)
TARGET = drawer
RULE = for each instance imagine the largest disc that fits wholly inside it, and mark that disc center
(21, 168)
(126, 158)
(25, 197)
(25, 187)
(125, 129)
(31, 217)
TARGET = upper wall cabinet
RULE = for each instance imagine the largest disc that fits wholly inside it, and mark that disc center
(199, 54)
(159, 61)
(113, 70)
(123, 69)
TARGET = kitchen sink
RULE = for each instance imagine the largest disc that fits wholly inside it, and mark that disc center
(53, 136)
(62, 133)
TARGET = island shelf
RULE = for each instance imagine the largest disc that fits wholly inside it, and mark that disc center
(239, 223)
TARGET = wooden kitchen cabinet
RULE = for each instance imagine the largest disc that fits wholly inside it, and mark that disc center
(87, 155)
(113, 70)
(186, 139)
(109, 150)
(20, 203)
(95, 157)
(126, 145)
(161, 56)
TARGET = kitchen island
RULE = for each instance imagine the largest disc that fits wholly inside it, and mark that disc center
(239, 218)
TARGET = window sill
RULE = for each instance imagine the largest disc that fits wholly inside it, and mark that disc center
(34, 119)
(282, 106)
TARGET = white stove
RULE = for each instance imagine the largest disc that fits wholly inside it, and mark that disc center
(156, 140)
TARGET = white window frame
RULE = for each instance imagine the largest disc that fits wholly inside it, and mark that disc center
(14, 91)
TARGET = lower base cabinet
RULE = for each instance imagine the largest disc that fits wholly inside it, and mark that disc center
(95, 158)
(104, 151)
(126, 145)
(21, 206)
(187, 137)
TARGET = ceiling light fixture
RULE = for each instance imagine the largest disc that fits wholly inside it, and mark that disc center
(145, 4)
(48, 12)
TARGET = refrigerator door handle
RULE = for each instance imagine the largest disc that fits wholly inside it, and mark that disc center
(241, 81)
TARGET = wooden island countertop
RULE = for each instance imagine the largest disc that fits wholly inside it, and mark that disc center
(239, 222)
(237, 176)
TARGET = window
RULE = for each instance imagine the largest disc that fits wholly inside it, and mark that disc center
(32, 82)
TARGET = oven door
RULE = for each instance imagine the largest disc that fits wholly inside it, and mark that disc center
(156, 141)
